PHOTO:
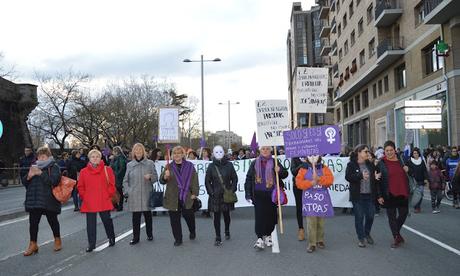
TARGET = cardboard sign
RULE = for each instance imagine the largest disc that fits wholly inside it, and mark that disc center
(311, 96)
(272, 120)
(312, 141)
(168, 128)
(316, 202)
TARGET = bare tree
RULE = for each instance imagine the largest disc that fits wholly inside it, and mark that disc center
(57, 96)
(8, 72)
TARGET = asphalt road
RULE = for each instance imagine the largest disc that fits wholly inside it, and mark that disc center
(432, 248)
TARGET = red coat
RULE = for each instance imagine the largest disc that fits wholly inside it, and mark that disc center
(94, 190)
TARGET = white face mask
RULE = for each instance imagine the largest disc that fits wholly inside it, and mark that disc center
(313, 159)
(218, 152)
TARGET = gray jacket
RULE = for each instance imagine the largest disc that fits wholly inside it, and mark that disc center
(136, 187)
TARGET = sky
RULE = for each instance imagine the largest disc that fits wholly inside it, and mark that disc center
(118, 39)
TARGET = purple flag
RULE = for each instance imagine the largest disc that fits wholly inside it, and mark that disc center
(254, 144)
(106, 151)
(202, 142)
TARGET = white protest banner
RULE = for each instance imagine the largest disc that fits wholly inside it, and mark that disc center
(312, 83)
(338, 190)
(168, 128)
(272, 120)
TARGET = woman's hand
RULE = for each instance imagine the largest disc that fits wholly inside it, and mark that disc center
(167, 175)
(147, 177)
(193, 197)
(277, 169)
(380, 200)
(378, 175)
(406, 169)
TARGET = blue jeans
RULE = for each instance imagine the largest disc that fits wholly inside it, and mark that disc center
(364, 210)
(418, 194)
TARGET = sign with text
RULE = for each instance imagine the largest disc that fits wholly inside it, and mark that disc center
(168, 128)
(272, 120)
(312, 141)
(311, 96)
(316, 202)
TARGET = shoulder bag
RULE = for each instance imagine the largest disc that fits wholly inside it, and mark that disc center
(229, 195)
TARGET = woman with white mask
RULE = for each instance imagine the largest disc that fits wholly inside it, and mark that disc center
(221, 184)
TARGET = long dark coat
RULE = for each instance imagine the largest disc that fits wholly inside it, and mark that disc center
(214, 185)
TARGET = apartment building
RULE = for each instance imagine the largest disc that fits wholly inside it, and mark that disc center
(305, 48)
(384, 52)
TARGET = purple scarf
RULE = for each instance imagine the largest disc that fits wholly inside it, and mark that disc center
(269, 179)
(309, 174)
(183, 177)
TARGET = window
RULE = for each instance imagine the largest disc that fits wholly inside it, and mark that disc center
(362, 58)
(345, 110)
(374, 90)
(365, 99)
(400, 76)
(352, 38)
(338, 114)
(340, 55)
(344, 21)
(339, 30)
(380, 87)
(419, 13)
(350, 9)
(345, 47)
(360, 27)
(372, 47)
(385, 84)
(354, 67)
(370, 13)
(357, 103)
(432, 62)
(350, 107)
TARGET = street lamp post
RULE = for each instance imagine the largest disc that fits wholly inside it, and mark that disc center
(229, 135)
(202, 61)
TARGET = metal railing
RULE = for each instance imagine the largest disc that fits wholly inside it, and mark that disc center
(389, 44)
(430, 5)
(385, 5)
(10, 176)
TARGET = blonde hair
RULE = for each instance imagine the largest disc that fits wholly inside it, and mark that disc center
(139, 145)
(94, 151)
(181, 148)
(44, 151)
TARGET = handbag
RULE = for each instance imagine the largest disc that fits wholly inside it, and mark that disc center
(63, 191)
(229, 195)
(196, 205)
(283, 196)
(116, 196)
(155, 199)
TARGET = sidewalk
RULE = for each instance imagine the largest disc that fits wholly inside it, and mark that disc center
(12, 202)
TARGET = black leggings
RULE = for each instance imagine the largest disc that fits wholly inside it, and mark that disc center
(34, 220)
(217, 222)
(298, 206)
(137, 224)
(265, 214)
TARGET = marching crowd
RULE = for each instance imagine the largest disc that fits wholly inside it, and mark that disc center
(383, 177)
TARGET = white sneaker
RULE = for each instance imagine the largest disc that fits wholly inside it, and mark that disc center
(436, 211)
(268, 241)
(259, 244)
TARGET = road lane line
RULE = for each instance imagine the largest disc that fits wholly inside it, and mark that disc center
(275, 246)
(433, 240)
(122, 236)
(27, 217)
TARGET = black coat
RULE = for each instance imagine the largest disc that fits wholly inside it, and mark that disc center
(74, 166)
(249, 185)
(354, 176)
(214, 185)
(39, 189)
(419, 172)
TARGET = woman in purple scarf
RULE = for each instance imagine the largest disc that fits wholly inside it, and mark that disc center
(260, 183)
(182, 189)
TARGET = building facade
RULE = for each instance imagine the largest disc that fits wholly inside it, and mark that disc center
(227, 139)
(305, 48)
(385, 52)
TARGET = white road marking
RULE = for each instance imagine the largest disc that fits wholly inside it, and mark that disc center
(122, 236)
(433, 240)
(275, 246)
(27, 217)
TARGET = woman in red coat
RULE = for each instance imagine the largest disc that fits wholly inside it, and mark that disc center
(96, 187)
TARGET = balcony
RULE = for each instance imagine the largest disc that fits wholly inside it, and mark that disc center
(335, 70)
(334, 49)
(388, 52)
(325, 8)
(326, 61)
(440, 11)
(325, 47)
(333, 26)
(386, 13)
(325, 29)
